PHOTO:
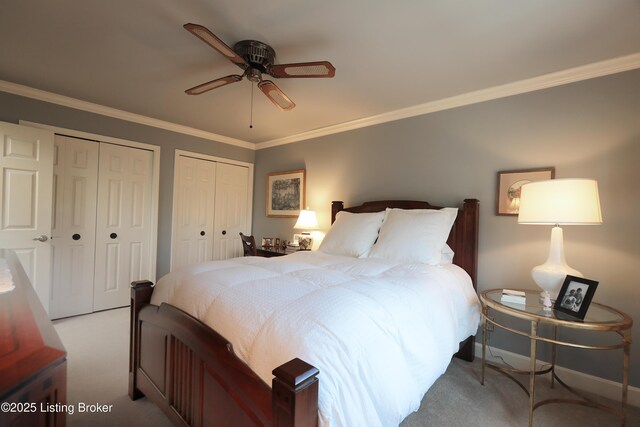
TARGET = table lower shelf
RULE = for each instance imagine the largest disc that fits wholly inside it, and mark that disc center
(583, 400)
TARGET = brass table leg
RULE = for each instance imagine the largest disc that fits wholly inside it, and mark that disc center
(484, 343)
(553, 355)
(532, 373)
(625, 375)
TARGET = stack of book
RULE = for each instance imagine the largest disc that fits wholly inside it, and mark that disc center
(513, 296)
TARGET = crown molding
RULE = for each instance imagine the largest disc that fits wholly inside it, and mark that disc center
(559, 78)
(66, 101)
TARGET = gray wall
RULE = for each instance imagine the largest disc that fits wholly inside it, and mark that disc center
(589, 129)
(14, 108)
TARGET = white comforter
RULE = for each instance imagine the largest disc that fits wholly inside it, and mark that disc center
(380, 332)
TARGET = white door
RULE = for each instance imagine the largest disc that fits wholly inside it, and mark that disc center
(26, 171)
(123, 229)
(231, 211)
(194, 191)
(75, 189)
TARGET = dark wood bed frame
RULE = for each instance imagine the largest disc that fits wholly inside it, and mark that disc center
(191, 372)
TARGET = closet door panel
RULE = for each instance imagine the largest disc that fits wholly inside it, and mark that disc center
(195, 185)
(123, 223)
(231, 209)
(73, 226)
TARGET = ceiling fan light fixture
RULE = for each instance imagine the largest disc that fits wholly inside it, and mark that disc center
(253, 75)
(257, 58)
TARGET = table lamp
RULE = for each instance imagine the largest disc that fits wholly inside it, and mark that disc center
(307, 221)
(558, 202)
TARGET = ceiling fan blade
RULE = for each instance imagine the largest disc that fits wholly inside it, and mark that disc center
(212, 40)
(303, 70)
(213, 84)
(276, 96)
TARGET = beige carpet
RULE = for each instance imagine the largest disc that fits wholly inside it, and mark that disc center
(97, 346)
(98, 371)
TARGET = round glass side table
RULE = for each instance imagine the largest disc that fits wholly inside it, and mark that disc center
(599, 317)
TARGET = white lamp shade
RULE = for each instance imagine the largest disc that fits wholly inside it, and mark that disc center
(560, 201)
(307, 220)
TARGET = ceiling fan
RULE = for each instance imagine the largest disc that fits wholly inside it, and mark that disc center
(256, 58)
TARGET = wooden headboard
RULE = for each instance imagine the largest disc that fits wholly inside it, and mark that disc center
(463, 238)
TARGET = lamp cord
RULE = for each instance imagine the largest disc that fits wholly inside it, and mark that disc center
(498, 357)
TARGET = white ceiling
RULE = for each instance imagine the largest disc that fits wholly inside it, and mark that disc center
(134, 55)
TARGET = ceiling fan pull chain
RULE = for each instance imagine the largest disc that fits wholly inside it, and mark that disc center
(251, 113)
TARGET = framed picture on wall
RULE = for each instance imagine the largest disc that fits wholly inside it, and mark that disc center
(509, 183)
(285, 193)
(575, 296)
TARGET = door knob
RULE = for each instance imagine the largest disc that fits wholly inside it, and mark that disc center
(41, 238)
(224, 232)
(113, 235)
(202, 233)
(76, 236)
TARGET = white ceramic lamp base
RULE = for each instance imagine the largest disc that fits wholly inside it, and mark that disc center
(550, 275)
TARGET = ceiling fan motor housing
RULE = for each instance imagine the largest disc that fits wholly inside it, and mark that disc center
(259, 55)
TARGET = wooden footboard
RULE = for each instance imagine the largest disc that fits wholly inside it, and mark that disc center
(193, 375)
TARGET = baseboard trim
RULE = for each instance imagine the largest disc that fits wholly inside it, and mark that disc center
(578, 380)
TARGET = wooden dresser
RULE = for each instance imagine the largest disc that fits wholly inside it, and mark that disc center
(33, 366)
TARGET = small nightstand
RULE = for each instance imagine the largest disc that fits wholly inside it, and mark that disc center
(598, 318)
(270, 251)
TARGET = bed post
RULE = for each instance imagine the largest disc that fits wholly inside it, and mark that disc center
(336, 206)
(140, 295)
(471, 209)
(469, 262)
(295, 395)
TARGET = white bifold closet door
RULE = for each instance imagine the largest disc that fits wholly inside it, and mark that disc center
(210, 210)
(101, 224)
(195, 201)
(73, 234)
(123, 223)
(231, 214)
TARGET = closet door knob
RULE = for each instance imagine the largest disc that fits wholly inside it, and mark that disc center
(76, 236)
(224, 232)
(202, 233)
(113, 235)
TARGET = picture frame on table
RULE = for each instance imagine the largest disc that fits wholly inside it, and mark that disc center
(303, 241)
(286, 193)
(575, 296)
(267, 242)
(509, 183)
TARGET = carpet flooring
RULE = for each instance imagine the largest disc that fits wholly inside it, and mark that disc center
(98, 343)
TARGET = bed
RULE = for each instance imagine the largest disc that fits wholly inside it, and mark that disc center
(197, 377)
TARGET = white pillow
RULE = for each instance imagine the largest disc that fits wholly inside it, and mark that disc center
(352, 234)
(414, 235)
(447, 254)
